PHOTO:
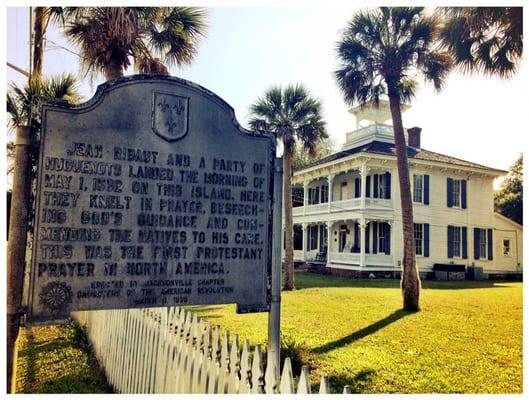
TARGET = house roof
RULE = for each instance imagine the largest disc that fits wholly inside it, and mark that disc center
(384, 148)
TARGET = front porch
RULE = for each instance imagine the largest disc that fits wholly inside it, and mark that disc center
(354, 243)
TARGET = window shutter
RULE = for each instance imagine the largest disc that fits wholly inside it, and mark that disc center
(476, 243)
(310, 196)
(388, 185)
(387, 228)
(463, 194)
(426, 189)
(489, 244)
(357, 238)
(449, 191)
(426, 240)
(375, 237)
(357, 187)
(375, 186)
(450, 241)
(367, 239)
(368, 186)
(464, 241)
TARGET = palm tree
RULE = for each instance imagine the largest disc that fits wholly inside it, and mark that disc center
(42, 16)
(20, 100)
(109, 37)
(294, 117)
(483, 39)
(382, 52)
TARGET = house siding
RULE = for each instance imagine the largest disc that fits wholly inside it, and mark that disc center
(476, 210)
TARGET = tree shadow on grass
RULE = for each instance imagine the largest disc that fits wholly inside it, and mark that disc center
(368, 330)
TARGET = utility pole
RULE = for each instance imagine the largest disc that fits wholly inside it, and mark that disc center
(16, 249)
(274, 316)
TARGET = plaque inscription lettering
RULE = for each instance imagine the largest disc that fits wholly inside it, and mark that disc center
(150, 195)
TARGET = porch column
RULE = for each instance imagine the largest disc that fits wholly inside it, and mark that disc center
(362, 242)
(329, 240)
(363, 174)
(330, 179)
(305, 196)
(305, 239)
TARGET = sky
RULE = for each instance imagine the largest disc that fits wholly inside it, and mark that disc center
(250, 49)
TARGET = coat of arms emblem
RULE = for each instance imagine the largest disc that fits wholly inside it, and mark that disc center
(169, 117)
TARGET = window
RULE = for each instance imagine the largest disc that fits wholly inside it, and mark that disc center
(298, 237)
(483, 243)
(313, 237)
(419, 238)
(343, 237)
(456, 241)
(325, 194)
(382, 186)
(297, 196)
(456, 193)
(506, 248)
(323, 237)
(384, 231)
(417, 188)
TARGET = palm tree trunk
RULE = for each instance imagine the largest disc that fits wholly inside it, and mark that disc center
(288, 264)
(39, 30)
(410, 283)
(113, 70)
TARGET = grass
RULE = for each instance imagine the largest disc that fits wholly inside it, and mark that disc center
(57, 359)
(467, 338)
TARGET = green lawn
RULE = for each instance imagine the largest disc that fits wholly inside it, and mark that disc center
(57, 359)
(466, 339)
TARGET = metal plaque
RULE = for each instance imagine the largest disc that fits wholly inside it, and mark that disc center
(150, 194)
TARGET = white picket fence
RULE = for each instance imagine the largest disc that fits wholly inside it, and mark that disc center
(171, 350)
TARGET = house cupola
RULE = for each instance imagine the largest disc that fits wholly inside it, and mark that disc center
(369, 114)
(372, 125)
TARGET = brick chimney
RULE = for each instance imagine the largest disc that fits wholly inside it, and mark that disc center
(414, 137)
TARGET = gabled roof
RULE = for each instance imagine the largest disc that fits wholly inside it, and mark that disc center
(384, 148)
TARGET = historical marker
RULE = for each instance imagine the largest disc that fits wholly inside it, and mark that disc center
(150, 195)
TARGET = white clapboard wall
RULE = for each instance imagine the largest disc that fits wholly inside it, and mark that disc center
(171, 350)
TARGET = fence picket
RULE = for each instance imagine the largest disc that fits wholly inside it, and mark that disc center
(214, 364)
(257, 371)
(325, 386)
(246, 369)
(234, 379)
(271, 384)
(224, 370)
(171, 350)
(304, 381)
(287, 378)
(202, 384)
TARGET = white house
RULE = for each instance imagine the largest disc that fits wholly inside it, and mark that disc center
(347, 211)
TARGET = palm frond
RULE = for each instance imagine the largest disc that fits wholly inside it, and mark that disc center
(20, 99)
(13, 109)
(291, 115)
(381, 52)
(485, 40)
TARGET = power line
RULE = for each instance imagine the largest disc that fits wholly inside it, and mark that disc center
(59, 47)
